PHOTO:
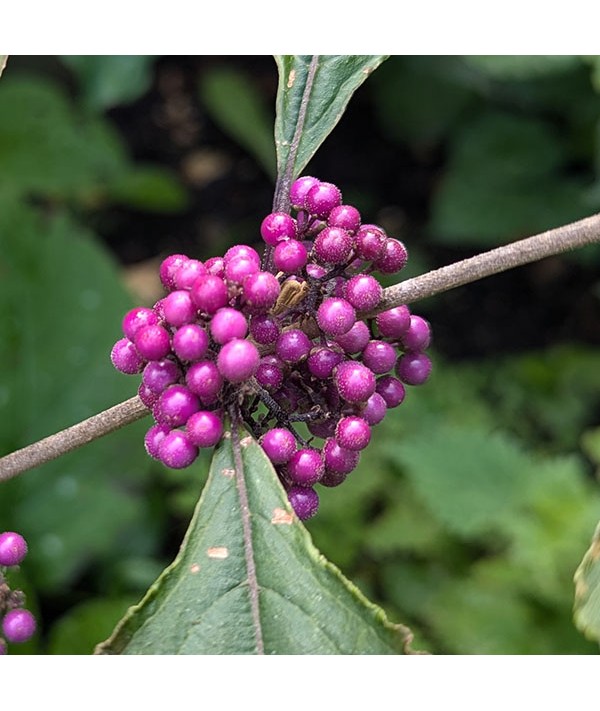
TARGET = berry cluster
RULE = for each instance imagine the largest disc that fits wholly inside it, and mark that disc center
(280, 344)
(18, 624)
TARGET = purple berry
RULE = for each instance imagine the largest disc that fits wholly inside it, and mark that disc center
(238, 360)
(305, 467)
(352, 433)
(354, 381)
(228, 324)
(146, 395)
(393, 257)
(269, 375)
(176, 405)
(154, 436)
(322, 360)
(370, 242)
(13, 548)
(18, 626)
(335, 316)
(276, 227)
(264, 329)
(261, 291)
(322, 198)
(153, 342)
(204, 380)
(125, 357)
(135, 319)
(190, 342)
(300, 188)
(204, 429)
(363, 292)
(244, 251)
(338, 460)
(290, 256)
(304, 501)
(355, 339)
(179, 308)
(374, 410)
(393, 323)
(187, 274)
(293, 346)
(176, 451)
(333, 245)
(379, 356)
(238, 268)
(209, 293)
(345, 216)
(169, 268)
(159, 374)
(215, 266)
(391, 390)
(279, 445)
(413, 368)
(316, 271)
(418, 335)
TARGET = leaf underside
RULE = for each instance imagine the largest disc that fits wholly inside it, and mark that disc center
(587, 591)
(202, 603)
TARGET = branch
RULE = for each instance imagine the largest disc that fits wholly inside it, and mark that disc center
(546, 244)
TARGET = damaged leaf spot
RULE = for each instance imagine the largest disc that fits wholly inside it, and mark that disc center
(194, 568)
(246, 441)
(291, 79)
(219, 552)
(281, 516)
(229, 473)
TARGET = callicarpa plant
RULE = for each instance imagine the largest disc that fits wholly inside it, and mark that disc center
(284, 362)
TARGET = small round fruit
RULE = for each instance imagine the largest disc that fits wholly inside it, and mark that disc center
(18, 625)
(13, 548)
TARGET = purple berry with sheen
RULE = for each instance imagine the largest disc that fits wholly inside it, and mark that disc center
(352, 433)
(418, 335)
(413, 368)
(204, 380)
(269, 375)
(322, 198)
(304, 501)
(159, 374)
(335, 316)
(204, 428)
(339, 460)
(261, 291)
(289, 257)
(379, 356)
(190, 342)
(238, 360)
(187, 274)
(153, 342)
(239, 268)
(264, 329)
(135, 319)
(176, 405)
(354, 381)
(169, 268)
(279, 445)
(333, 245)
(209, 293)
(18, 626)
(293, 346)
(355, 340)
(176, 451)
(276, 227)
(179, 308)
(13, 548)
(305, 467)
(345, 216)
(374, 410)
(244, 251)
(154, 436)
(228, 324)
(391, 390)
(393, 323)
(393, 257)
(370, 242)
(125, 357)
(363, 292)
(300, 188)
(322, 360)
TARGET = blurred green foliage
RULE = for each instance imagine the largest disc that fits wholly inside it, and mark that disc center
(477, 498)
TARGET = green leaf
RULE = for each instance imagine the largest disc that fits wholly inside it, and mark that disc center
(587, 591)
(61, 305)
(314, 91)
(521, 66)
(237, 107)
(108, 80)
(249, 577)
(150, 188)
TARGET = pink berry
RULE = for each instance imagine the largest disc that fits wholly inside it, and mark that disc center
(264, 329)
(187, 274)
(18, 626)
(363, 292)
(179, 308)
(238, 360)
(176, 405)
(333, 245)
(154, 436)
(354, 381)
(322, 198)
(125, 357)
(190, 342)
(204, 380)
(209, 293)
(393, 323)
(335, 316)
(159, 374)
(276, 227)
(153, 342)
(370, 242)
(135, 319)
(176, 451)
(279, 445)
(13, 548)
(393, 257)
(345, 216)
(413, 368)
(305, 467)
(169, 267)
(204, 428)
(352, 433)
(261, 291)
(304, 501)
(228, 324)
(290, 256)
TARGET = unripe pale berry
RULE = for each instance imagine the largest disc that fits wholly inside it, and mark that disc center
(18, 626)
(13, 548)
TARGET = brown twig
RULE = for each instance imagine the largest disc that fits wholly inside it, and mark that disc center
(546, 244)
